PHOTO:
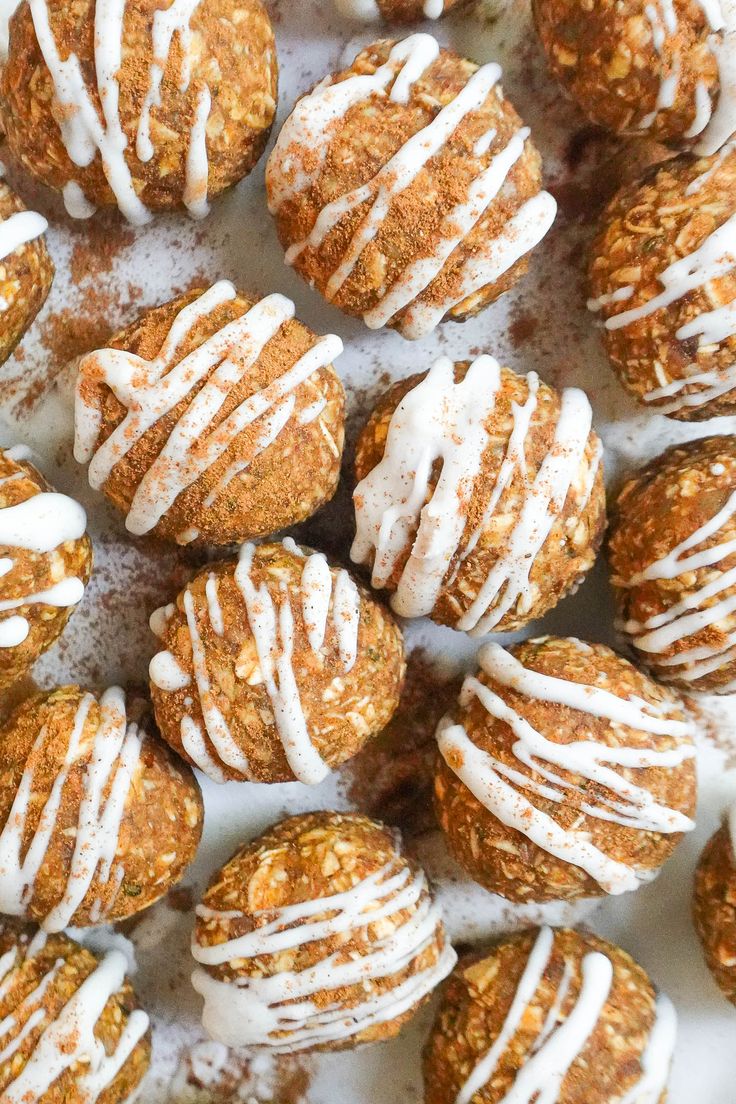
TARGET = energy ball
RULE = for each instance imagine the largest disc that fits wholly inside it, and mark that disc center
(98, 818)
(480, 500)
(394, 11)
(72, 1031)
(274, 667)
(140, 105)
(672, 551)
(45, 563)
(26, 269)
(550, 1015)
(405, 188)
(659, 69)
(663, 280)
(319, 935)
(564, 772)
(213, 418)
(714, 905)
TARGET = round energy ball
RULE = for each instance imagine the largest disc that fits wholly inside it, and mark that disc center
(405, 188)
(319, 935)
(658, 69)
(26, 269)
(663, 279)
(98, 818)
(274, 667)
(394, 11)
(45, 563)
(480, 500)
(72, 1028)
(213, 418)
(672, 551)
(556, 1015)
(714, 905)
(142, 105)
(564, 772)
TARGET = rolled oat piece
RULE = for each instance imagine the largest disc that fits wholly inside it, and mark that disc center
(550, 1014)
(563, 772)
(26, 269)
(662, 278)
(480, 500)
(274, 667)
(406, 189)
(318, 935)
(672, 551)
(714, 904)
(213, 419)
(98, 819)
(139, 105)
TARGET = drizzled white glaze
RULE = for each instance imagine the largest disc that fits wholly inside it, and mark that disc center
(250, 1011)
(695, 612)
(323, 599)
(40, 524)
(368, 11)
(69, 1040)
(499, 787)
(19, 229)
(441, 421)
(112, 760)
(558, 1045)
(149, 390)
(309, 127)
(86, 136)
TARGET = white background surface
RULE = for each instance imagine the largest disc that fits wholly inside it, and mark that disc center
(108, 639)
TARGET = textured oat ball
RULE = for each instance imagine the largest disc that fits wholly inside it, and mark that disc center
(98, 818)
(150, 108)
(405, 188)
(274, 667)
(319, 935)
(638, 68)
(45, 563)
(395, 11)
(562, 1014)
(663, 281)
(714, 905)
(672, 551)
(213, 418)
(73, 1031)
(480, 500)
(564, 772)
(26, 269)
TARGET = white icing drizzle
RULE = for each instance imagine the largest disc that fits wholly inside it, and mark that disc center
(112, 762)
(85, 135)
(70, 1040)
(559, 1044)
(39, 524)
(270, 615)
(249, 1011)
(439, 420)
(152, 389)
(695, 612)
(19, 229)
(497, 786)
(368, 11)
(309, 126)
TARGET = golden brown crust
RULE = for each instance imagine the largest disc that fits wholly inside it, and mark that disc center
(285, 484)
(33, 572)
(342, 710)
(26, 276)
(233, 53)
(648, 226)
(477, 1000)
(363, 141)
(574, 539)
(506, 861)
(305, 858)
(604, 55)
(661, 506)
(714, 909)
(77, 963)
(161, 824)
